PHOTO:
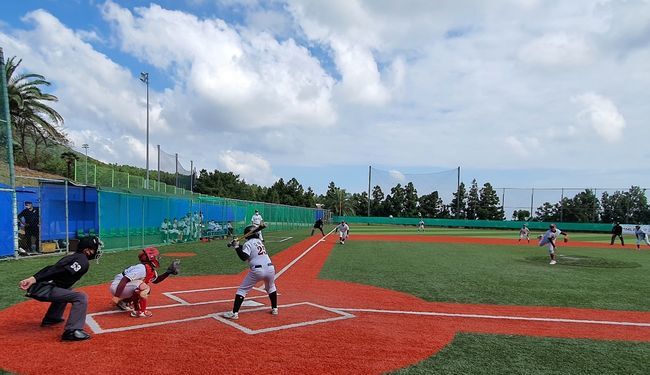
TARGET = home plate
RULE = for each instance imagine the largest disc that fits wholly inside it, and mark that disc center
(259, 320)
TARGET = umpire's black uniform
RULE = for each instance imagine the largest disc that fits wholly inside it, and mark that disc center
(318, 225)
(54, 283)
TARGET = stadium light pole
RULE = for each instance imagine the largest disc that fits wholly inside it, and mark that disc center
(85, 147)
(144, 77)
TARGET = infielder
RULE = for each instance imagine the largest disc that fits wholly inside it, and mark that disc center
(130, 288)
(421, 226)
(257, 220)
(261, 269)
(549, 238)
(640, 236)
(344, 232)
(524, 232)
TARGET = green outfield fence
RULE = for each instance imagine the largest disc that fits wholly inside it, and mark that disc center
(134, 219)
(97, 175)
(482, 224)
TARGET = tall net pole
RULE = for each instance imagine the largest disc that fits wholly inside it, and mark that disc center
(369, 180)
(5, 121)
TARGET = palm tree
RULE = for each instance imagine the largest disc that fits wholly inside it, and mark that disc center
(69, 158)
(34, 122)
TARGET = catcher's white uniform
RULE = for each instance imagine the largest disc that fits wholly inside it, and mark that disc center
(137, 274)
(261, 268)
(257, 221)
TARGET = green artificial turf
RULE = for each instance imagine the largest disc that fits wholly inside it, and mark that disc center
(489, 274)
(501, 354)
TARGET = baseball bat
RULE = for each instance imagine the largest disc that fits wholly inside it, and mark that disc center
(259, 228)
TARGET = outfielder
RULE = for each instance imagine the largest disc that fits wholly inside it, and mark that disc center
(257, 220)
(421, 225)
(524, 232)
(640, 236)
(261, 269)
(130, 288)
(549, 239)
(344, 232)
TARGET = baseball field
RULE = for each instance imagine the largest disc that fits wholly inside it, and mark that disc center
(391, 300)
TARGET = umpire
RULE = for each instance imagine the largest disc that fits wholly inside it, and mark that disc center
(53, 284)
(318, 225)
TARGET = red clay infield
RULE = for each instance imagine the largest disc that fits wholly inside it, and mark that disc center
(324, 326)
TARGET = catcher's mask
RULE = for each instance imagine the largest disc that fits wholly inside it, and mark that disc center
(150, 255)
(249, 229)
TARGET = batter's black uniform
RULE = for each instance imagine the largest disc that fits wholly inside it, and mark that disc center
(62, 275)
(318, 225)
(617, 231)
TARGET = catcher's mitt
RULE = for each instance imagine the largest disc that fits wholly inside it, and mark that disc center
(566, 239)
(174, 267)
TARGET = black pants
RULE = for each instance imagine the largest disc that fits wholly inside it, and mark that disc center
(59, 298)
(321, 230)
(614, 237)
(31, 238)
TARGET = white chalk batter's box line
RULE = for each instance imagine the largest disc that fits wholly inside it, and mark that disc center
(95, 327)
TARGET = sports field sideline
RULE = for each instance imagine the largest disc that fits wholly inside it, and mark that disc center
(603, 280)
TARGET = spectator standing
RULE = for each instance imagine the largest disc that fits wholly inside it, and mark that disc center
(28, 218)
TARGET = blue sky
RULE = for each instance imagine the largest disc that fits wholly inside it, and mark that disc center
(519, 93)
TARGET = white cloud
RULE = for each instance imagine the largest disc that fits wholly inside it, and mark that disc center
(397, 175)
(524, 147)
(558, 49)
(601, 115)
(251, 167)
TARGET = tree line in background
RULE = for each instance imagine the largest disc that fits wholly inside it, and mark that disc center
(40, 143)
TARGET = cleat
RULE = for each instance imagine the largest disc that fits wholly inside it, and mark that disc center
(274, 311)
(231, 315)
(553, 262)
(141, 314)
(75, 335)
(50, 322)
(125, 306)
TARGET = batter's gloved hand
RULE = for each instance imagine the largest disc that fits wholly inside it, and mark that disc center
(174, 267)
(234, 243)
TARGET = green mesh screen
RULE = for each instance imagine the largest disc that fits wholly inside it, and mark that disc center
(6, 151)
(135, 220)
(488, 224)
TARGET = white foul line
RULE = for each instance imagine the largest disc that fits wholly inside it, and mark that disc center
(302, 255)
(503, 317)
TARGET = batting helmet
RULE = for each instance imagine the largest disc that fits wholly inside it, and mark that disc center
(150, 255)
(249, 229)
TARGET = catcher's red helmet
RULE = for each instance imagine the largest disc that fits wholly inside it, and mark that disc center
(150, 255)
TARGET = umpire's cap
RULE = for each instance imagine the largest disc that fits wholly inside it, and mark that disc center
(90, 242)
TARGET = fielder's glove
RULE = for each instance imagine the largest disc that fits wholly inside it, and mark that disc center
(174, 267)
(566, 239)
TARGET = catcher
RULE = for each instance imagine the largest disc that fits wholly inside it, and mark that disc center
(130, 289)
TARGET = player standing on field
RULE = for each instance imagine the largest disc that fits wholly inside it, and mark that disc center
(640, 236)
(344, 232)
(257, 220)
(549, 238)
(261, 269)
(421, 225)
(524, 232)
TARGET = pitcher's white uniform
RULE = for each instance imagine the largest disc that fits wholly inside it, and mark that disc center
(257, 221)
(261, 268)
(343, 230)
(547, 237)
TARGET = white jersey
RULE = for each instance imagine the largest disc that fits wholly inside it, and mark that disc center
(256, 219)
(136, 272)
(524, 231)
(550, 235)
(256, 252)
(343, 229)
(640, 234)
